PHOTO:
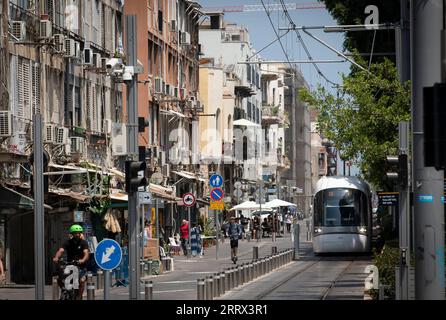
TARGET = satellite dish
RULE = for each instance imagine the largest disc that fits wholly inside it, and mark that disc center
(157, 178)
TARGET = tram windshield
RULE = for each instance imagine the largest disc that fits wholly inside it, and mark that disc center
(340, 207)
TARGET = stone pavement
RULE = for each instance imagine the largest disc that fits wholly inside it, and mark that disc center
(181, 283)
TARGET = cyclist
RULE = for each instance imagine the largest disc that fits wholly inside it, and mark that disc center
(77, 251)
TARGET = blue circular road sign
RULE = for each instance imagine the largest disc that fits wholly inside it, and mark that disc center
(216, 181)
(217, 194)
(108, 254)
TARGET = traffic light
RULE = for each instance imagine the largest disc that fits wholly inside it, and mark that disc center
(401, 176)
(434, 118)
(132, 180)
(142, 124)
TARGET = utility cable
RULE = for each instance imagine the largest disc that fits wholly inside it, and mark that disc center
(299, 37)
(277, 34)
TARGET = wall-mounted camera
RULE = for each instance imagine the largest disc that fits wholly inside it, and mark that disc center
(114, 66)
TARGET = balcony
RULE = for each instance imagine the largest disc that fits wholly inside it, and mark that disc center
(273, 115)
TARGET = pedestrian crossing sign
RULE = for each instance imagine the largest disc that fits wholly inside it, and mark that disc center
(217, 205)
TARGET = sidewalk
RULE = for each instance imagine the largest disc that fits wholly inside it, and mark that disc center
(179, 284)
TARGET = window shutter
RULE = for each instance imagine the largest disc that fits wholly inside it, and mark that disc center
(14, 78)
(25, 89)
(94, 118)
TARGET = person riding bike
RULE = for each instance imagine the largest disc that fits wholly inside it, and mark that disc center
(78, 253)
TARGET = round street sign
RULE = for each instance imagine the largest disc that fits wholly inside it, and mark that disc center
(108, 254)
(188, 199)
(216, 181)
(217, 194)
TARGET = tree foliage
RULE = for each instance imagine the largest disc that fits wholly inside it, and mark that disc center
(348, 12)
(362, 119)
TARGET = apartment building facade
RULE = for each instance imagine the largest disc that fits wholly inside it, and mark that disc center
(57, 51)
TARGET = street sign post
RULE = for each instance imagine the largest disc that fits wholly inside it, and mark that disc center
(216, 181)
(189, 199)
(217, 205)
(144, 197)
(108, 256)
(217, 194)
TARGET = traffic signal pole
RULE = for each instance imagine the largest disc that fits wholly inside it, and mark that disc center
(426, 26)
(132, 148)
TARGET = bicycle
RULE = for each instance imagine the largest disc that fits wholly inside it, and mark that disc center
(68, 277)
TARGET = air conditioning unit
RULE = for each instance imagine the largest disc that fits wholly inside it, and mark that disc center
(5, 124)
(173, 25)
(19, 30)
(159, 84)
(59, 42)
(61, 135)
(88, 56)
(97, 60)
(49, 134)
(46, 29)
(185, 38)
(77, 145)
(70, 48)
(107, 126)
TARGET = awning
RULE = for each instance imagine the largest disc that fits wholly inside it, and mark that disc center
(71, 194)
(120, 196)
(188, 175)
(71, 169)
(14, 199)
(244, 122)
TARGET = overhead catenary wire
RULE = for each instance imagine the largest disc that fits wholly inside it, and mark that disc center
(268, 13)
(299, 37)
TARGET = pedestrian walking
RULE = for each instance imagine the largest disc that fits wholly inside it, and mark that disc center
(195, 240)
(234, 231)
(184, 235)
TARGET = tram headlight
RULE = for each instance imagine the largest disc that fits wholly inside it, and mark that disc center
(317, 230)
(363, 230)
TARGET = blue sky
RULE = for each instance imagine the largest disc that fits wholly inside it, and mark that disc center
(261, 34)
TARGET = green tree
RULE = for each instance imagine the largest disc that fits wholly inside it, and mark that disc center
(348, 12)
(362, 119)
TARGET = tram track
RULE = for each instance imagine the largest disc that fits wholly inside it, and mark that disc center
(333, 283)
(282, 282)
(300, 271)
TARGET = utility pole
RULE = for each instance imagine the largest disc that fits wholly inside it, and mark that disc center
(39, 228)
(132, 139)
(426, 25)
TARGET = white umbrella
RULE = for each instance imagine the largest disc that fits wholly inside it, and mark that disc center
(247, 205)
(278, 203)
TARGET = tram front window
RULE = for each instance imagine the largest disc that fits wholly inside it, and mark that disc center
(340, 208)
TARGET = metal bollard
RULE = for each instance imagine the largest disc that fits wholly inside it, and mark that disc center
(255, 253)
(141, 267)
(211, 288)
(222, 283)
(216, 285)
(55, 288)
(234, 278)
(273, 250)
(242, 274)
(227, 280)
(206, 288)
(238, 276)
(100, 279)
(149, 263)
(200, 289)
(148, 289)
(90, 286)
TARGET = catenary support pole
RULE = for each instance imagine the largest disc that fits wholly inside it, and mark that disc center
(132, 107)
(39, 235)
(426, 25)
